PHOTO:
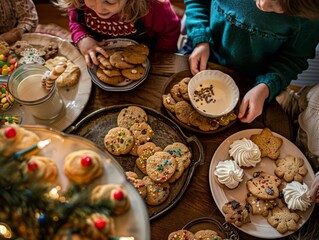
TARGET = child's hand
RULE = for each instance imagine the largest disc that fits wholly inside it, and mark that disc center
(199, 58)
(253, 103)
(12, 36)
(314, 190)
(89, 49)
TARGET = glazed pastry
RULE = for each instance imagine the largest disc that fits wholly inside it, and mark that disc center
(115, 194)
(228, 174)
(83, 166)
(245, 153)
(297, 196)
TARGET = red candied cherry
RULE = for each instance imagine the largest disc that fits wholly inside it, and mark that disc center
(32, 166)
(100, 223)
(118, 195)
(10, 132)
(86, 161)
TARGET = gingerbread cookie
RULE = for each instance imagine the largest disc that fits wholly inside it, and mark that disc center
(182, 110)
(291, 169)
(161, 166)
(259, 206)
(180, 151)
(169, 102)
(130, 115)
(207, 234)
(182, 234)
(83, 166)
(283, 219)
(118, 141)
(268, 144)
(51, 50)
(264, 186)
(236, 213)
(157, 193)
(134, 73)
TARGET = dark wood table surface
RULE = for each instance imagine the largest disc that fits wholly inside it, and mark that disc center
(197, 201)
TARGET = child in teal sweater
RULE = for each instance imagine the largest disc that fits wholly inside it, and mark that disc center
(266, 40)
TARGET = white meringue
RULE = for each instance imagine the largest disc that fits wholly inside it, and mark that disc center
(229, 173)
(245, 152)
(297, 196)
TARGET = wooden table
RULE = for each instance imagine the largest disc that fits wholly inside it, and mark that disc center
(197, 201)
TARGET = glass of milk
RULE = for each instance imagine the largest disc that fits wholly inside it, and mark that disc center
(25, 85)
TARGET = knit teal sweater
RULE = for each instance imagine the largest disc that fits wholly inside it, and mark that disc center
(271, 48)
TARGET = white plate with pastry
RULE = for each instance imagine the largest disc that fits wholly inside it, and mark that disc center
(75, 97)
(258, 227)
(135, 221)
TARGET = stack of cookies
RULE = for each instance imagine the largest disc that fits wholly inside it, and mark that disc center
(157, 167)
(279, 195)
(177, 102)
(122, 64)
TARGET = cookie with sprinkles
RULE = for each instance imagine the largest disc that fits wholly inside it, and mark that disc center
(137, 183)
(180, 151)
(259, 206)
(207, 234)
(182, 234)
(161, 166)
(118, 141)
(142, 133)
(130, 115)
(144, 152)
(157, 193)
(264, 186)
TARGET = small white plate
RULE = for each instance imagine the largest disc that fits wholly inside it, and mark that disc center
(127, 84)
(259, 227)
(217, 93)
(75, 98)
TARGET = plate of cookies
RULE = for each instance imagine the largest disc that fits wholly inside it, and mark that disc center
(205, 228)
(74, 84)
(158, 158)
(126, 67)
(62, 162)
(176, 102)
(260, 181)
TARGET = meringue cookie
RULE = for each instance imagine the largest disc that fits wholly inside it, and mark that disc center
(245, 153)
(297, 196)
(229, 173)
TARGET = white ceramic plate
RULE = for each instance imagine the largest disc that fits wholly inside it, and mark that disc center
(75, 98)
(127, 84)
(259, 227)
(225, 93)
(133, 223)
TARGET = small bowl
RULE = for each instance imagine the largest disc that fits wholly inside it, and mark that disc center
(213, 93)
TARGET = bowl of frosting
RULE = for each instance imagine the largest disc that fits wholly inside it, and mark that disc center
(213, 93)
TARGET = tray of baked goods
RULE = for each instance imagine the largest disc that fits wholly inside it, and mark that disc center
(205, 228)
(159, 159)
(261, 182)
(74, 83)
(86, 192)
(176, 102)
(126, 66)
